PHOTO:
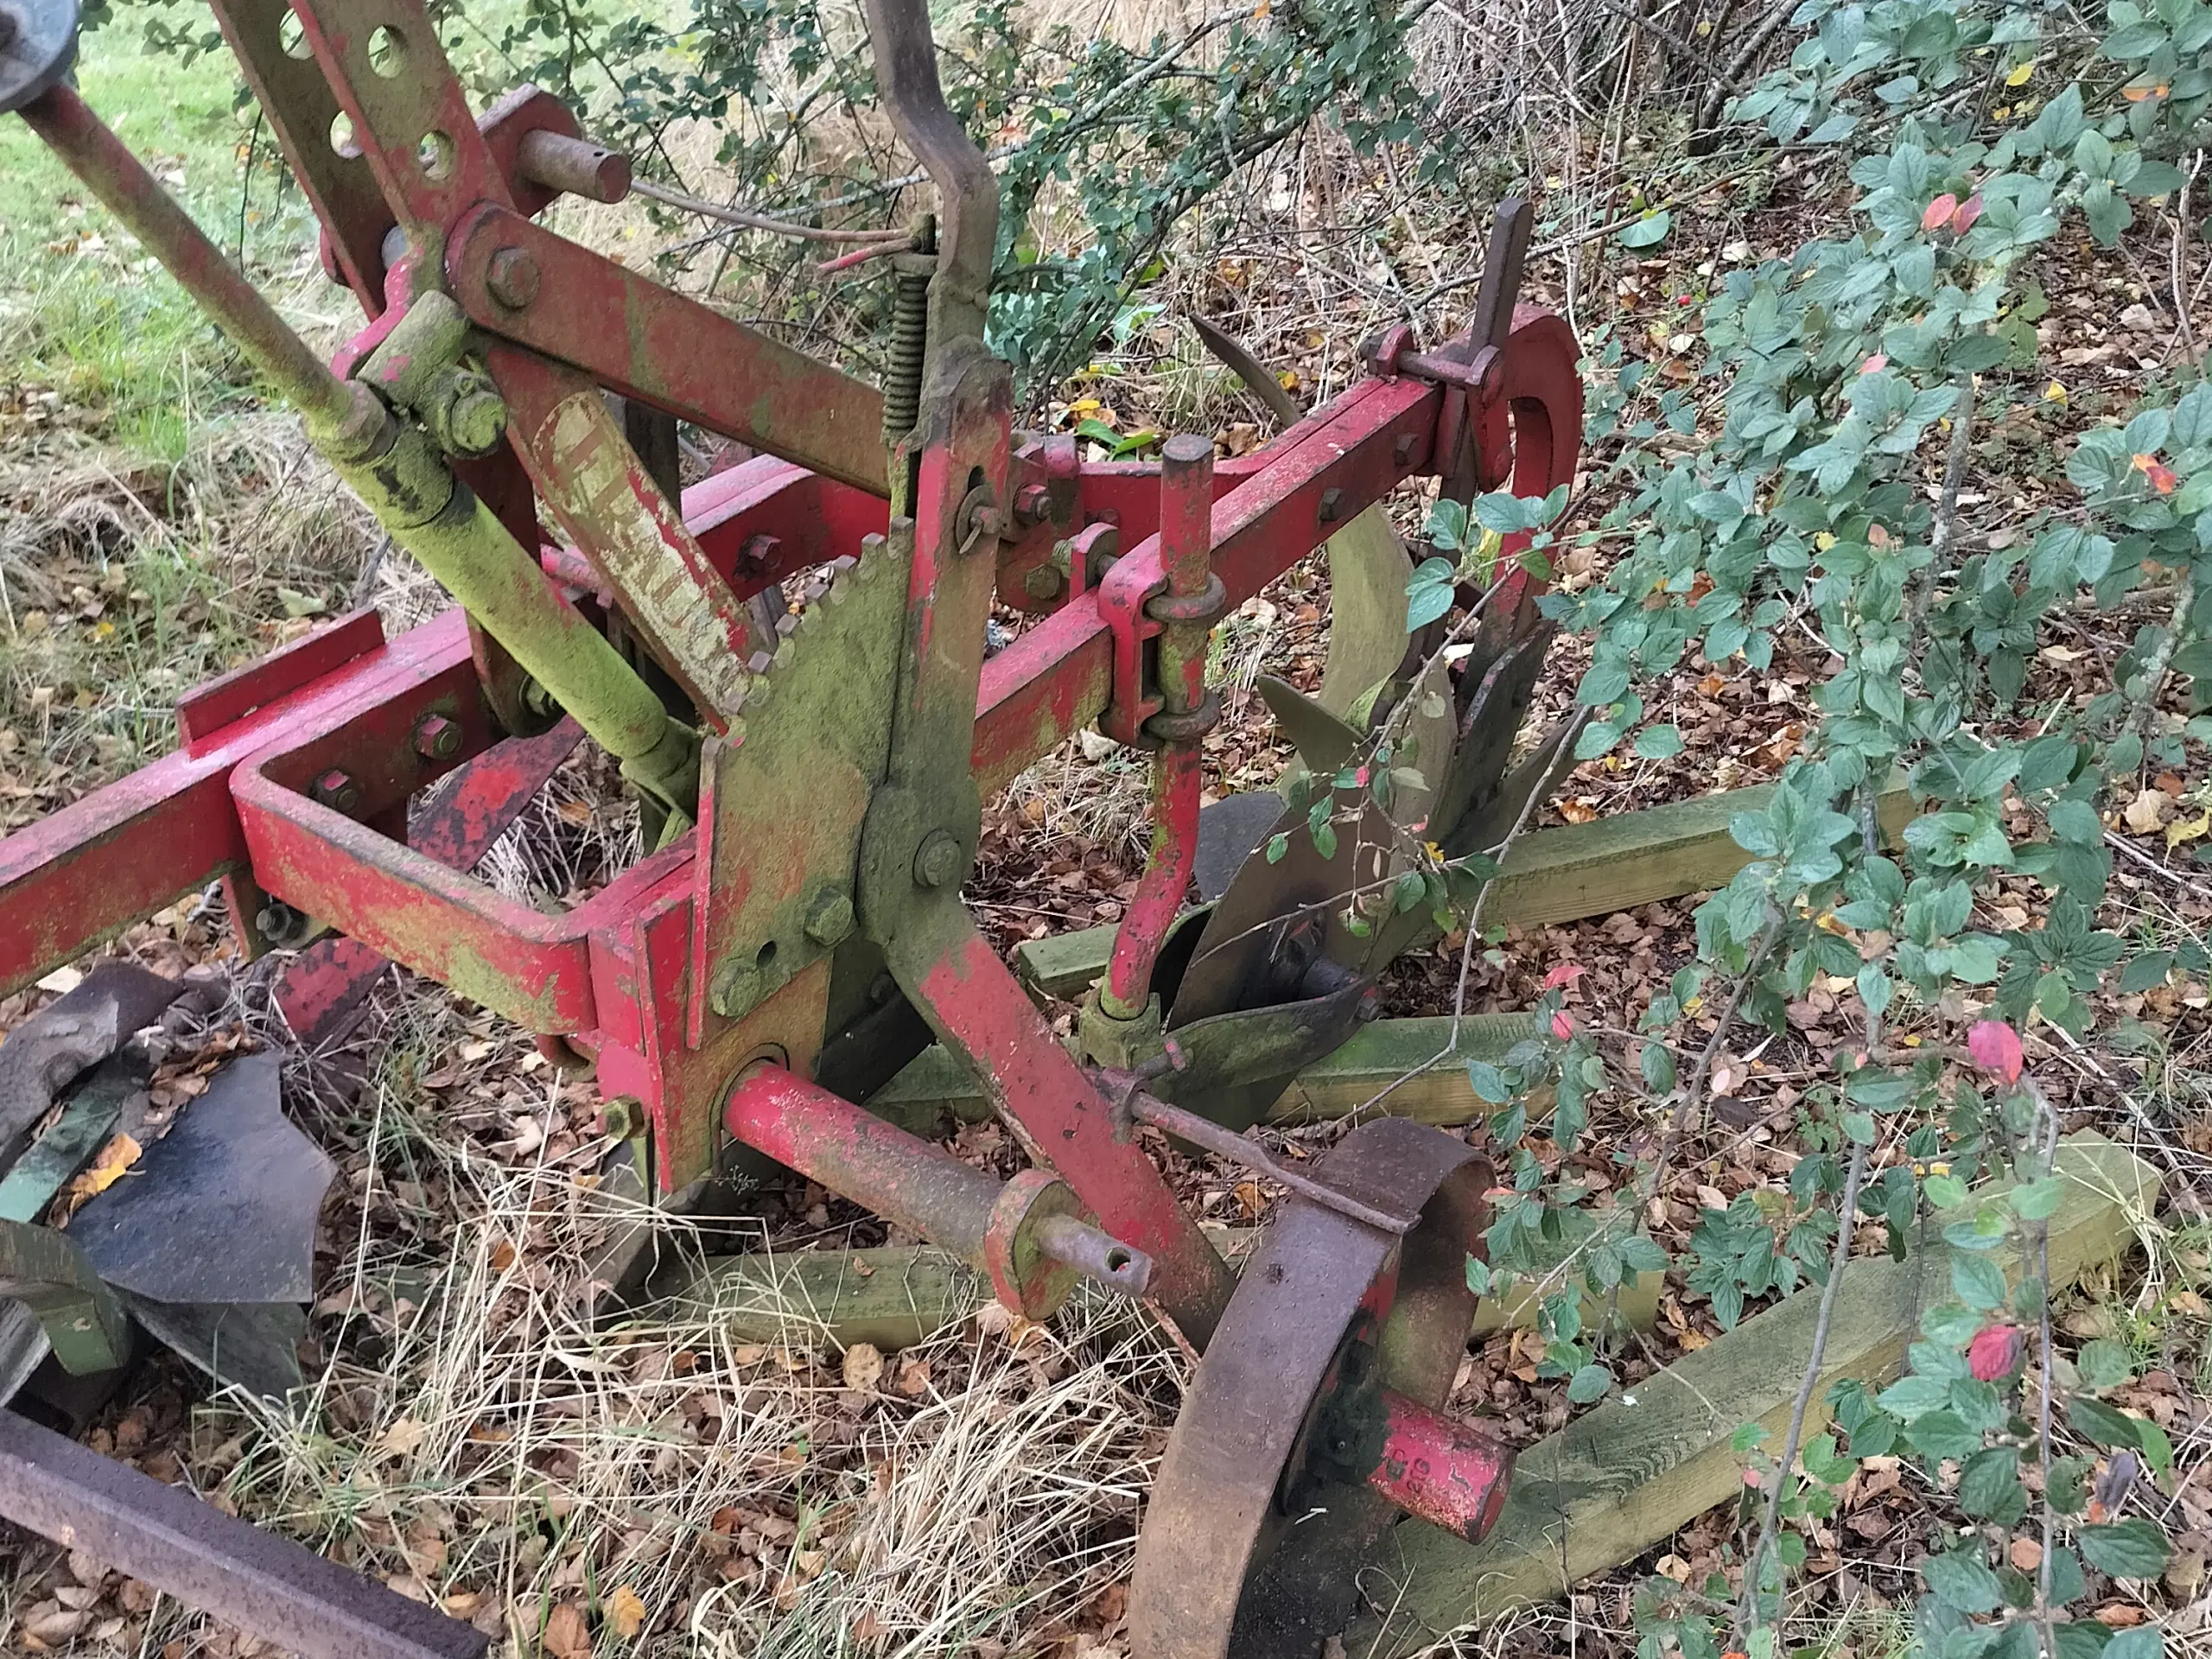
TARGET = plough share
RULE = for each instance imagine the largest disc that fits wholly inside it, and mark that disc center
(811, 777)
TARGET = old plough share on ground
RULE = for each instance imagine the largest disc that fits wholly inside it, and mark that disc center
(788, 660)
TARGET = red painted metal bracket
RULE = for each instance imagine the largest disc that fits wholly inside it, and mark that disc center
(648, 342)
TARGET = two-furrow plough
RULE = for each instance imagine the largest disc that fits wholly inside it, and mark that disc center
(812, 777)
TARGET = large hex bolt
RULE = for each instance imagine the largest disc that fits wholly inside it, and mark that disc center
(278, 923)
(939, 860)
(830, 919)
(512, 278)
(736, 989)
(468, 417)
(1032, 505)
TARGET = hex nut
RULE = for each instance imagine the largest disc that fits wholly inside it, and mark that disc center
(736, 990)
(1043, 582)
(830, 919)
(513, 278)
(437, 738)
(939, 860)
(278, 923)
(1032, 504)
(471, 421)
(337, 790)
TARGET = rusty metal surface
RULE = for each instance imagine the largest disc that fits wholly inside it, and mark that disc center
(648, 342)
(261, 1583)
(301, 110)
(1436, 1468)
(1226, 1568)
(1186, 609)
(323, 985)
(1029, 1235)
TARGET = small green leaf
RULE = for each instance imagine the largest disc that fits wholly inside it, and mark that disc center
(2134, 1549)
(2094, 1420)
(1648, 232)
(1658, 742)
(1963, 1579)
(2104, 1363)
(1589, 1383)
(1488, 1083)
(1979, 1281)
(1278, 844)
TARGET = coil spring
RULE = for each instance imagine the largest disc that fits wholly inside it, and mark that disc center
(902, 380)
(910, 310)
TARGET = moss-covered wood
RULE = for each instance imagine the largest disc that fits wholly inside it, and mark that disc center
(1552, 875)
(1623, 1478)
(1399, 1068)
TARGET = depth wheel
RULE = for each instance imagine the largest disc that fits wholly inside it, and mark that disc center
(1314, 1421)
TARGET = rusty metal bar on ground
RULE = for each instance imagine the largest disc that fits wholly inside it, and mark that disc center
(266, 1585)
(1029, 1235)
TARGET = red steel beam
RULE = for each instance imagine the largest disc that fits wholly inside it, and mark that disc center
(648, 342)
(82, 875)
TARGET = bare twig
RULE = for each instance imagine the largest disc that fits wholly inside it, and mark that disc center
(1846, 1217)
(2162, 657)
(2178, 260)
(1708, 115)
(1693, 1091)
(743, 220)
(1946, 530)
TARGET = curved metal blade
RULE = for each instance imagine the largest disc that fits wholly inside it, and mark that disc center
(1258, 379)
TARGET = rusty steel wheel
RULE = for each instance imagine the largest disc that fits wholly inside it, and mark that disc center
(1313, 1422)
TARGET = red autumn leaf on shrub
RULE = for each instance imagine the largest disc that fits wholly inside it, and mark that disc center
(1969, 210)
(1938, 210)
(1563, 1026)
(2156, 474)
(1565, 973)
(1995, 1047)
(1875, 364)
(1993, 1353)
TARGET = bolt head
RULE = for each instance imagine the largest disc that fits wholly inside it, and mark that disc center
(940, 860)
(278, 921)
(437, 739)
(337, 790)
(1332, 504)
(512, 276)
(736, 989)
(476, 422)
(830, 919)
(1043, 582)
(1402, 451)
(1032, 504)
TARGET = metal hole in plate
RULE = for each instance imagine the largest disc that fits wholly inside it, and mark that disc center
(341, 134)
(435, 156)
(292, 36)
(1116, 1261)
(387, 51)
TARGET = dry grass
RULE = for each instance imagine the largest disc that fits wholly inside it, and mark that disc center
(478, 1439)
